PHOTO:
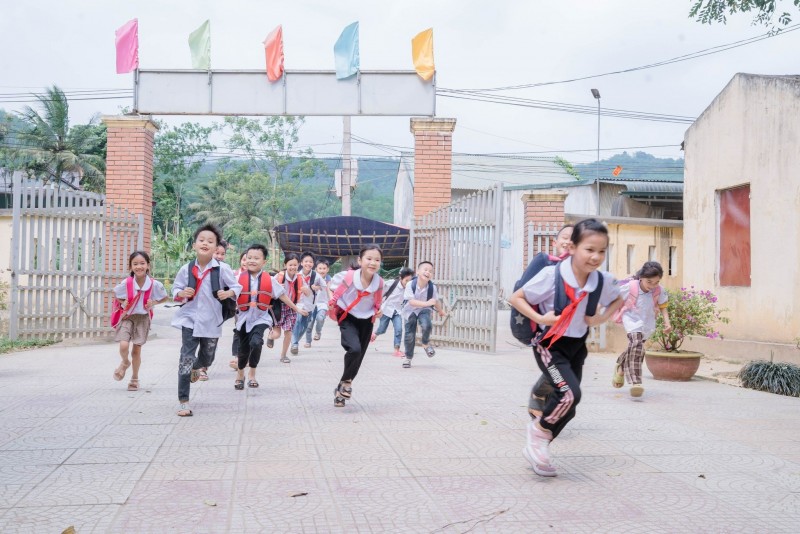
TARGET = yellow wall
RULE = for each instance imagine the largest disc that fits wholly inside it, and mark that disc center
(641, 238)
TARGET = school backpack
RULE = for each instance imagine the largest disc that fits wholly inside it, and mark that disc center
(633, 294)
(228, 305)
(524, 329)
(338, 314)
(118, 313)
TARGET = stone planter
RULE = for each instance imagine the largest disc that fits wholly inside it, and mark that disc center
(677, 366)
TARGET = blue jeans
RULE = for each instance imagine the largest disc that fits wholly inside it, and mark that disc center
(191, 358)
(397, 326)
(316, 318)
(425, 326)
(300, 327)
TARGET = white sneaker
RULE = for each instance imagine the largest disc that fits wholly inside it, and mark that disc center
(406, 363)
(537, 448)
(541, 470)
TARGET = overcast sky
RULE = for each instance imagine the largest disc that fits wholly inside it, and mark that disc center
(477, 44)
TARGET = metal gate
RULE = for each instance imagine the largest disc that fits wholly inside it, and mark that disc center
(462, 241)
(68, 250)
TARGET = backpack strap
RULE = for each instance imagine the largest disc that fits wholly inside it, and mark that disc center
(430, 291)
(594, 296)
(391, 289)
(215, 281)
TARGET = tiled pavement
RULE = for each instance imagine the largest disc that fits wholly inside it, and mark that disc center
(434, 448)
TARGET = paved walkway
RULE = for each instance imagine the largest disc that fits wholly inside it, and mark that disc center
(434, 448)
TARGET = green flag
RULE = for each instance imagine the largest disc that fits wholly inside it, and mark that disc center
(200, 45)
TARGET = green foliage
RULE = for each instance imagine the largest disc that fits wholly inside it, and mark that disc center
(169, 252)
(567, 166)
(692, 312)
(717, 11)
(6, 345)
(778, 378)
(3, 295)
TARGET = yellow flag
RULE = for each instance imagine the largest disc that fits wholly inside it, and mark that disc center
(422, 54)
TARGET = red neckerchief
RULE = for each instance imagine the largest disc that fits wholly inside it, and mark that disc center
(558, 329)
(196, 273)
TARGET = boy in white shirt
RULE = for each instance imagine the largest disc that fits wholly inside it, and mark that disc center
(307, 300)
(317, 318)
(421, 299)
(392, 308)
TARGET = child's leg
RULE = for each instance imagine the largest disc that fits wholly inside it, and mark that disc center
(187, 360)
(299, 329)
(136, 360)
(397, 327)
(562, 366)
(254, 344)
(539, 392)
(235, 344)
(425, 326)
(312, 319)
(355, 340)
(383, 325)
(635, 355)
(321, 315)
(287, 338)
(411, 335)
(124, 349)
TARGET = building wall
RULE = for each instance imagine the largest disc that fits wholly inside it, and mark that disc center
(749, 134)
(403, 198)
(641, 237)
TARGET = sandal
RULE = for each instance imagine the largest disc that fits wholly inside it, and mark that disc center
(195, 376)
(184, 410)
(338, 400)
(203, 376)
(345, 390)
(306, 345)
(285, 359)
(316, 337)
(619, 379)
(133, 385)
(238, 384)
(119, 372)
(252, 383)
(430, 351)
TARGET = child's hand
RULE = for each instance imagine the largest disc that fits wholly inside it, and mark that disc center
(378, 314)
(595, 320)
(186, 293)
(222, 294)
(302, 312)
(442, 313)
(275, 333)
(150, 304)
(667, 327)
(306, 291)
(548, 319)
(316, 288)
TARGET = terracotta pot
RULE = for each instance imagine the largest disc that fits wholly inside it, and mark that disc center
(678, 366)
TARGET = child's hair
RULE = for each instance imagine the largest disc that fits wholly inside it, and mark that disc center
(564, 228)
(352, 264)
(222, 243)
(141, 253)
(209, 228)
(305, 255)
(405, 271)
(242, 255)
(587, 227)
(367, 248)
(650, 269)
(322, 262)
(289, 257)
(424, 262)
(257, 246)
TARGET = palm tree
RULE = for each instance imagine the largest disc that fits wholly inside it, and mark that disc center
(50, 149)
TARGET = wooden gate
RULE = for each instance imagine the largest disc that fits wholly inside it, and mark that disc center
(68, 250)
(462, 241)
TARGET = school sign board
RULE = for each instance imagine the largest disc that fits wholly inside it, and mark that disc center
(309, 93)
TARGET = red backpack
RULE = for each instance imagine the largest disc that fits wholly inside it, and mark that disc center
(630, 302)
(118, 313)
(337, 313)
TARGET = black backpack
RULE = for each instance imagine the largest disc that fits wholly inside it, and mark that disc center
(522, 328)
(228, 305)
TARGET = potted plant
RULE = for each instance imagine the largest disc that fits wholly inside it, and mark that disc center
(692, 312)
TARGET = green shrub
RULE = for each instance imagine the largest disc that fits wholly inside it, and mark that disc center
(779, 378)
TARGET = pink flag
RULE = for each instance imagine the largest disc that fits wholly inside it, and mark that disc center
(128, 47)
(273, 49)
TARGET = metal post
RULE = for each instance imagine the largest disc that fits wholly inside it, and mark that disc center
(346, 168)
(16, 244)
(596, 95)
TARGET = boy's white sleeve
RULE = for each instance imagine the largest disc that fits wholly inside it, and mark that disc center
(611, 289)
(181, 281)
(277, 289)
(541, 287)
(408, 293)
(228, 279)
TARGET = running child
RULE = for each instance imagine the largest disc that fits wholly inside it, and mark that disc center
(421, 299)
(134, 326)
(292, 283)
(391, 308)
(643, 300)
(357, 296)
(321, 309)
(234, 363)
(254, 318)
(307, 301)
(564, 294)
(200, 315)
(219, 255)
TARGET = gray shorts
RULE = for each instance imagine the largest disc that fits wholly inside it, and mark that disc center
(134, 329)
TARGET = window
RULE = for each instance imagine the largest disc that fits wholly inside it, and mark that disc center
(672, 269)
(734, 236)
(609, 254)
(631, 265)
(651, 253)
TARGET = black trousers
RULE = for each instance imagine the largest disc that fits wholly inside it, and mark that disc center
(355, 341)
(562, 366)
(250, 344)
(235, 344)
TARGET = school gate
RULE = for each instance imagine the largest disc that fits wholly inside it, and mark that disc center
(68, 250)
(462, 241)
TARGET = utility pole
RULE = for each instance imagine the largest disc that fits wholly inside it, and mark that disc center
(346, 168)
(596, 95)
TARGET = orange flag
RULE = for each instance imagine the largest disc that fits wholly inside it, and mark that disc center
(273, 50)
(422, 54)
(617, 170)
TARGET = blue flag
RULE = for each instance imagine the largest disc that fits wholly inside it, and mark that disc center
(345, 52)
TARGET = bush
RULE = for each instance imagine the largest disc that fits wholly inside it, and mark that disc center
(692, 312)
(778, 378)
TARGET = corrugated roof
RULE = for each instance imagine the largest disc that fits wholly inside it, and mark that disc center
(635, 189)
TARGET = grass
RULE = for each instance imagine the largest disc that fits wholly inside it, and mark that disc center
(779, 378)
(6, 345)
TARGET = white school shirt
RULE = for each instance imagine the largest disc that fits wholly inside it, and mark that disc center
(541, 290)
(420, 294)
(158, 293)
(393, 302)
(642, 317)
(255, 316)
(308, 302)
(323, 296)
(366, 306)
(203, 314)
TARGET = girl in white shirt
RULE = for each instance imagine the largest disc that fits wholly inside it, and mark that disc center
(358, 299)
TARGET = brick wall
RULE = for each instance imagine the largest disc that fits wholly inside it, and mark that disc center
(433, 161)
(543, 208)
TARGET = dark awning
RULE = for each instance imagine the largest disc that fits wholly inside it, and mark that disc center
(331, 238)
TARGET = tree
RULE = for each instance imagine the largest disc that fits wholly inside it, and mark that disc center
(48, 149)
(711, 11)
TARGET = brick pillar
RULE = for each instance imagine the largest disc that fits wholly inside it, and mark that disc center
(433, 163)
(542, 209)
(129, 167)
